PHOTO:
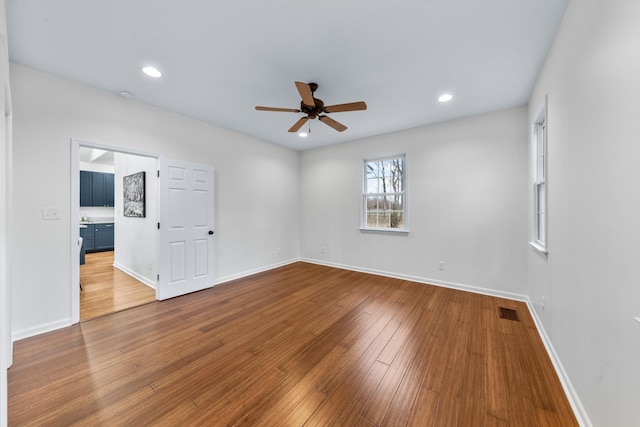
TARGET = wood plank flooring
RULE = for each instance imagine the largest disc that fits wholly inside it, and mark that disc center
(105, 289)
(299, 345)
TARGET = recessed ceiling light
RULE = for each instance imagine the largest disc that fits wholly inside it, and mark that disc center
(445, 97)
(303, 134)
(152, 71)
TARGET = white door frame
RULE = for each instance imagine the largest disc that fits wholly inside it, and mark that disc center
(74, 288)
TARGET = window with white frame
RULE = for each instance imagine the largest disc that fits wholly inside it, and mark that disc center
(385, 198)
(540, 182)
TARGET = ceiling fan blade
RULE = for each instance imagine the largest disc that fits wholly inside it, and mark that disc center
(285, 110)
(351, 106)
(299, 124)
(306, 94)
(329, 121)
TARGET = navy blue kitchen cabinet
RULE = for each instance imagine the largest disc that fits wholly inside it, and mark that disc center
(104, 237)
(87, 235)
(96, 189)
(86, 181)
(109, 189)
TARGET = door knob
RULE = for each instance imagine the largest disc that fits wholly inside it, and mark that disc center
(210, 232)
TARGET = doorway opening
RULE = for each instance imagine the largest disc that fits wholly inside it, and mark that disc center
(115, 261)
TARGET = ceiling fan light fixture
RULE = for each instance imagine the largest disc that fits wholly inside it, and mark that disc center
(151, 71)
(303, 134)
(445, 97)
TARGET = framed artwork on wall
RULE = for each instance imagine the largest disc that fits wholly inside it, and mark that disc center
(133, 194)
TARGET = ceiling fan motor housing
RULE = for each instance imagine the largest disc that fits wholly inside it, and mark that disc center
(312, 111)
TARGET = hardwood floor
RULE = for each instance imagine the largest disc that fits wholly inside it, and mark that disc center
(105, 289)
(299, 345)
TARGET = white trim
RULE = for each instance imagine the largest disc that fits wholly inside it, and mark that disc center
(135, 275)
(40, 329)
(424, 280)
(6, 205)
(385, 230)
(74, 218)
(231, 277)
(572, 396)
(538, 248)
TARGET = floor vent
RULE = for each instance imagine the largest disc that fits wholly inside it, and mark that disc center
(509, 314)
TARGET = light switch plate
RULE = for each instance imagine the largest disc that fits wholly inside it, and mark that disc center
(50, 214)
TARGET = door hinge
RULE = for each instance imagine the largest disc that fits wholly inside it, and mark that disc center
(158, 173)
(158, 277)
(158, 226)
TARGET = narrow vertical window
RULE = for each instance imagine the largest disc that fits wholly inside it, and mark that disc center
(540, 182)
(385, 199)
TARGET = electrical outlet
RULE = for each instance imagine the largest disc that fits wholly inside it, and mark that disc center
(441, 265)
(322, 250)
(279, 251)
(544, 303)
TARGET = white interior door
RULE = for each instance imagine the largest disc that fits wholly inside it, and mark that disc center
(186, 228)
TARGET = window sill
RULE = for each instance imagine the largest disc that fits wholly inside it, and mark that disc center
(539, 249)
(384, 230)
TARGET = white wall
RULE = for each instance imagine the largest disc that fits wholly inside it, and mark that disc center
(256, 186)
(6, 180)
(135, 238)
(467, 204)
(590, 278)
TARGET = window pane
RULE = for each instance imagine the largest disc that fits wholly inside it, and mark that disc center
(372, 203)
(395, 209)
(384, 193)
(373, 185)
(383, 219)
(394, 202)
(397, 166)
(541, 221)
(540, 158)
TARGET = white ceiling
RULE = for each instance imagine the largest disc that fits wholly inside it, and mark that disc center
(95, 155)
(220, 59)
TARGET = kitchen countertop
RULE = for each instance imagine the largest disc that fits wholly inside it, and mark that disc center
(97, 221)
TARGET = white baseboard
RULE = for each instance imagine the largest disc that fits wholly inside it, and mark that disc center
(425, 280)
(569, 391)
(254, 271)
(135, 275)
(40, 329)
